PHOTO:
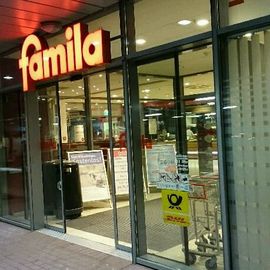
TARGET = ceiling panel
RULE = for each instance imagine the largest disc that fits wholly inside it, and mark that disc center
(20, 18)
(72, 6)
(26, 15)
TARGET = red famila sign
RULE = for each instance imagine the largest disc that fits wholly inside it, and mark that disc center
(82, 50)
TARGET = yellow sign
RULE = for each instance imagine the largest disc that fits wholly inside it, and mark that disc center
(175, 207)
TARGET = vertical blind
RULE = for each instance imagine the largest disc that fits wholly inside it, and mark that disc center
(246, 110)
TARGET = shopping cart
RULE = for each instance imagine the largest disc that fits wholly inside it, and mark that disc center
(205, 213)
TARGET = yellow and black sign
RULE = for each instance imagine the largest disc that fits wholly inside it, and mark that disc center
(175, 207)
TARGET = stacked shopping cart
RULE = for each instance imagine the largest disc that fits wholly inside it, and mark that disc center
(205, 214)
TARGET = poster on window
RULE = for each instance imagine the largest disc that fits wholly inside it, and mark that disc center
(93, 176)
(120, 170)
(161, 168)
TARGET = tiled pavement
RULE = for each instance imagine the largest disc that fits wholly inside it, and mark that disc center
(25, 250)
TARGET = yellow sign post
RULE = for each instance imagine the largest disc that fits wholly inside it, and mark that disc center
(175, 205)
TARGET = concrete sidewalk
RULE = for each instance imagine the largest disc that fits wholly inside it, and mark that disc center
(25, 250)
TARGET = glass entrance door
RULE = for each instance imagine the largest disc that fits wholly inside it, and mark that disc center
(52, 169)
(179, 214)
(93, 136)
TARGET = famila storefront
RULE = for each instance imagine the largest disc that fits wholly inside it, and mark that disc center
(142, 125)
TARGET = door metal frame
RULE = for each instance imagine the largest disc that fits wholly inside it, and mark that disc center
(49, 226)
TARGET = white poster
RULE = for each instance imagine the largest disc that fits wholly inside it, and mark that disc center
(120, 170)
(161, 168)
(93, 176)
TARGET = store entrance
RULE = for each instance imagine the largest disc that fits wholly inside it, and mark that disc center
(93, 159)
(179, 206)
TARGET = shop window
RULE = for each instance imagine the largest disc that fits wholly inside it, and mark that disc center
(14, 191)
(159, 22)
(179, 162)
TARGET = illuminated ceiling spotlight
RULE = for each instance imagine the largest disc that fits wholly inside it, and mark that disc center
(247, 35)
(202, 22)
(7, 77)
(140, 41)
(184, 22)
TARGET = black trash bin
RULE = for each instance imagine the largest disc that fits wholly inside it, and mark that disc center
(72, 189)
(52, 189)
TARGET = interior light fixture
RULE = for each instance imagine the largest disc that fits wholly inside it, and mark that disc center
(187, 84)
(204, 98)
(145, 97)
(202, 22)
(184, 22)
(153, 114)
(148, 79)
(73, 90)
(247, 35)
(114, 96)
(100, 75)
(146, 90)
(140, 41)
(7, 77)
(229, 107)
(211, 103)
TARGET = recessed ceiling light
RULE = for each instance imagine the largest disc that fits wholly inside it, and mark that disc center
(77, 93)
(145, 96)
(146, 90)
(68, 109)
(100, 75)
(73, 90)
(97, 89)
(184, 22)
(114, 96)
(148, 79)
(187, 84)
(118, 100)
(248, 35)
(7, 77)
(59, 92)
(94, 86)
(202, 22)
(80, 86)
(140, 41)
